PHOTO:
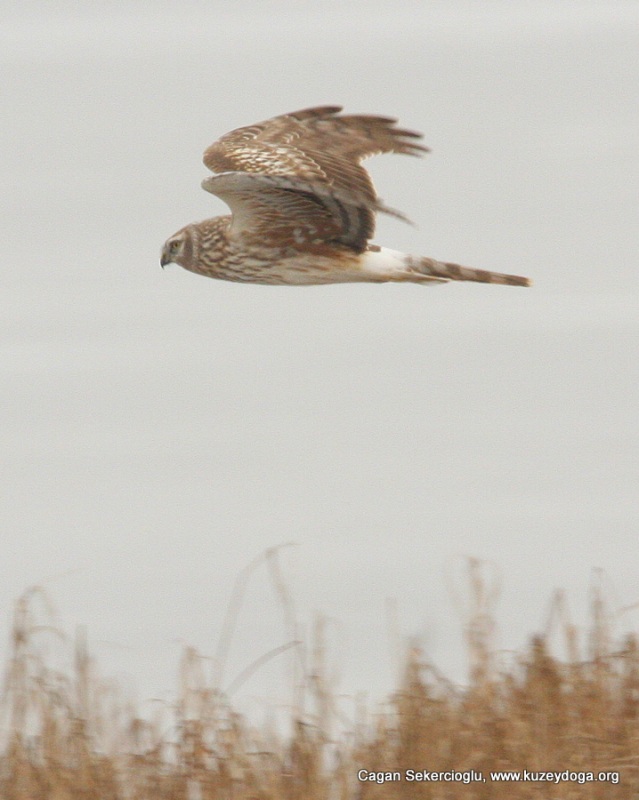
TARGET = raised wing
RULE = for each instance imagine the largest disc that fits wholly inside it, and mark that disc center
(278, 211)
(313, 144)
(318, 146)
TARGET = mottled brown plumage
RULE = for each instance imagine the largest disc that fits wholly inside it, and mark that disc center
(303, 207)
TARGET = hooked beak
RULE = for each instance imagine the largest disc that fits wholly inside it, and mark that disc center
(164, 259)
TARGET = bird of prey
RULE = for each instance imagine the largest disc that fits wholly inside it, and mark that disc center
(303, 207)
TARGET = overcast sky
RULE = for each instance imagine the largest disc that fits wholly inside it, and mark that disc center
(160, 430)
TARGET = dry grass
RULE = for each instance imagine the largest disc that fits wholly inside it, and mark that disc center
(69, 736)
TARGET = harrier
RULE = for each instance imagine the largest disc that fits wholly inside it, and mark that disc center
(303, 207)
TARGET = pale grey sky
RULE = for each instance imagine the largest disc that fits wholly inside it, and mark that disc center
(160, 430)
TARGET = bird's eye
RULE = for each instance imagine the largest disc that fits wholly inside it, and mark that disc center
(174, 246)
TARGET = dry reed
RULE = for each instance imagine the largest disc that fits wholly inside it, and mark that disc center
(70, 735)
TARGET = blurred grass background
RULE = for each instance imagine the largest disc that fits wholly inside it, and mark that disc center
(72, 734)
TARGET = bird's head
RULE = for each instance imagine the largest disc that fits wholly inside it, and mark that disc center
(177, 249)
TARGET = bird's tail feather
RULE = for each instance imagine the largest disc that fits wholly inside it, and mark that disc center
(382, 264)
(455, 272)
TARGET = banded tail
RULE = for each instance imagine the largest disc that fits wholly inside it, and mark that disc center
(390, 265)
(455, 272)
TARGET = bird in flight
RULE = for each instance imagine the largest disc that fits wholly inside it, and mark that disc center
(303, 207)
